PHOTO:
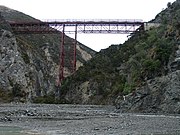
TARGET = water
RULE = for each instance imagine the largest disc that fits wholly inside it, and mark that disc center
(7, 130)
(10, 131)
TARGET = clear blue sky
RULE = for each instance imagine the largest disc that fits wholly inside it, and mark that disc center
(90, 9)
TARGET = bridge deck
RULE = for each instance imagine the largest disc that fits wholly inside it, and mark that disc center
(114, 26)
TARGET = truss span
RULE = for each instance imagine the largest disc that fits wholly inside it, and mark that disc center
(98, 26)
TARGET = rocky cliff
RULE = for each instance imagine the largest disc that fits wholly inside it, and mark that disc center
(141, 75)
(160, 94)
(29, 63)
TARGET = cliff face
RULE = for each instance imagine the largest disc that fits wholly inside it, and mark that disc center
(141, 75)
(160, 93)
(29, 63)
(11, 62)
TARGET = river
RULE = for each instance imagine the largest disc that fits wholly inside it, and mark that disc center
(44, 119)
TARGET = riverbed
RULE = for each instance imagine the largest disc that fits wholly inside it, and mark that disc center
(52, 119)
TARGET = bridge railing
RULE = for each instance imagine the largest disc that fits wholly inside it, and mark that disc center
(92, 20)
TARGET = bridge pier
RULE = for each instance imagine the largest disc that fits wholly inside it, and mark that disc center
(61, 58)
(75, 44)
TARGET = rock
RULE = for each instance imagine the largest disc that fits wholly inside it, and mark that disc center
(96, 128)
(5, 119)
(29, 64)
(159, 95)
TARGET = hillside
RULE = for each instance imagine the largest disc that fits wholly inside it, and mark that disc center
(141, 75)
(29, 63)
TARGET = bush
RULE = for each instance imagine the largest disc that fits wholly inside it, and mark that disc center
(49, 99)
(44, 99)
(151, 65)
(5, 96)
(128, 88)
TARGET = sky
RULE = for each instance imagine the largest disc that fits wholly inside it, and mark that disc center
(90, 9)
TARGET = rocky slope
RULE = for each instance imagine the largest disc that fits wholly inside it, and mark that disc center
(29, 63)
(140, 75)
(161, 93)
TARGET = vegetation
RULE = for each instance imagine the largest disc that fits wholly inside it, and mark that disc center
(120, 69)
(49, 99)
(5, 96)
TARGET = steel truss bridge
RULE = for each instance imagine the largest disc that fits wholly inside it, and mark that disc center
(103, 26)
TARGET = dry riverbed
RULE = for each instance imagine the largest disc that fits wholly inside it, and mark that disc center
(82, 120)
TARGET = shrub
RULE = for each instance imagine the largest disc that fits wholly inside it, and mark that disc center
(128, 88)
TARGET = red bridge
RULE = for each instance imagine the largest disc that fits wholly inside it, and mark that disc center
(103, 26)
